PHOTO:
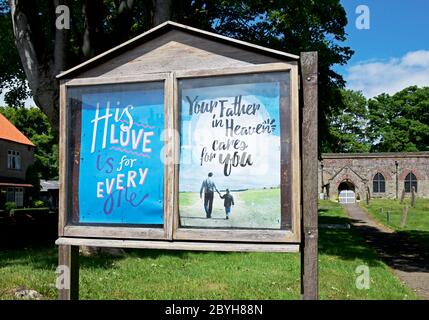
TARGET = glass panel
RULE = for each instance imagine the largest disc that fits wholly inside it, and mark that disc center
(410, 182)
(378, 185)
(19, 197)
(414, 184)
(10, 196)
(407, 186)
(230, 151)
(117, 148)
(382, 186)
(375, 187)
(18, 162)
(9, 159)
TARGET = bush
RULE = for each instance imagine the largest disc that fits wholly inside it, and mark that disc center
(9, 206)
(32, 212)
(39, 204)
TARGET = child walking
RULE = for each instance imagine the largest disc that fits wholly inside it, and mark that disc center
(227, 202)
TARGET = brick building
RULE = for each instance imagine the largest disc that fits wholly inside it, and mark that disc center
(382, 175)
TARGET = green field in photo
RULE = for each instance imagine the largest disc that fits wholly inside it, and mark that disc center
(417, 222)
(255, 208)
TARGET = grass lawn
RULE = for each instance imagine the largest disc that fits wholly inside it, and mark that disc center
(154, 274)
(417, 226)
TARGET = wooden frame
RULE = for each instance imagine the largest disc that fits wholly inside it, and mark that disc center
(180, 245)
(250, 235)
(67, 162)
(171, 229)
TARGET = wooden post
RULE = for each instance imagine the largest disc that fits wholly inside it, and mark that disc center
(413, 197)
(68, 260)
(309, 143)
(388, 216)
(402, 196)
(397, 179)
(404, 216)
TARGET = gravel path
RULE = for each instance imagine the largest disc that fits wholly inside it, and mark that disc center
(408, 261)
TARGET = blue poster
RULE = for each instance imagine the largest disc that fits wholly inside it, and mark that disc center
(121, 175)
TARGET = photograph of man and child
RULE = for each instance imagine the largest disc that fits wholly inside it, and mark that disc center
(208, 188)
(230, 179)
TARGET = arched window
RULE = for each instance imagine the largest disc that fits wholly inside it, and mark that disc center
(378, 183)
(410, 182)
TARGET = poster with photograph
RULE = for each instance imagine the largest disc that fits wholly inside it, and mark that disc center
(121, 175)
(229, 173)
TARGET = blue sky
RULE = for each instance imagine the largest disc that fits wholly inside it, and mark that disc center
(394, 52)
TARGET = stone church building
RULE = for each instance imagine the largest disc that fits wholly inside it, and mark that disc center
(349, 177)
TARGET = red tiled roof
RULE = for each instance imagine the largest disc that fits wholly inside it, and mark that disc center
(9, 132)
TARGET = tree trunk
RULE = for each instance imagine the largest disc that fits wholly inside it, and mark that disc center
(162, 11)
(42, 65)
(40, 68)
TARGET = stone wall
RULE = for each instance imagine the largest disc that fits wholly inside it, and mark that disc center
(360, 169)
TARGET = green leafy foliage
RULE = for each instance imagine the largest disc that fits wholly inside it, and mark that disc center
(400, 122)
(12, 76)
(39, 204)
(9, 206)
(35, 126)
(349, 126)
(397, 123)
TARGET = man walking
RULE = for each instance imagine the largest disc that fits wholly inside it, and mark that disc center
(209, 188)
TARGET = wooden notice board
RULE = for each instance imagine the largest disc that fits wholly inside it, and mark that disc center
(167, 152)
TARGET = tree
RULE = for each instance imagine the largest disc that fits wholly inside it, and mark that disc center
(12, 75)
(295, 26)
(349, 126)
(96, 25)
(36, 127)
(400, 122)
(45, 50)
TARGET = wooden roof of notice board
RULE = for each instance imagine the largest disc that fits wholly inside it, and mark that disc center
(164, 28)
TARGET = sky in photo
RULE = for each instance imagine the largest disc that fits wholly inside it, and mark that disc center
(394, 52)
(198, 133)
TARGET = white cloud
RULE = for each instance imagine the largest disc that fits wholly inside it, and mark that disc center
(389, 76)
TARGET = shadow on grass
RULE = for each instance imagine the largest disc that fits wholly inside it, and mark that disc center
(42, 256)
(403, 250)
(418, 236)
(346, 244)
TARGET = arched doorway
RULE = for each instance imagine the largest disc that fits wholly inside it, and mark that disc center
(346, 192)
